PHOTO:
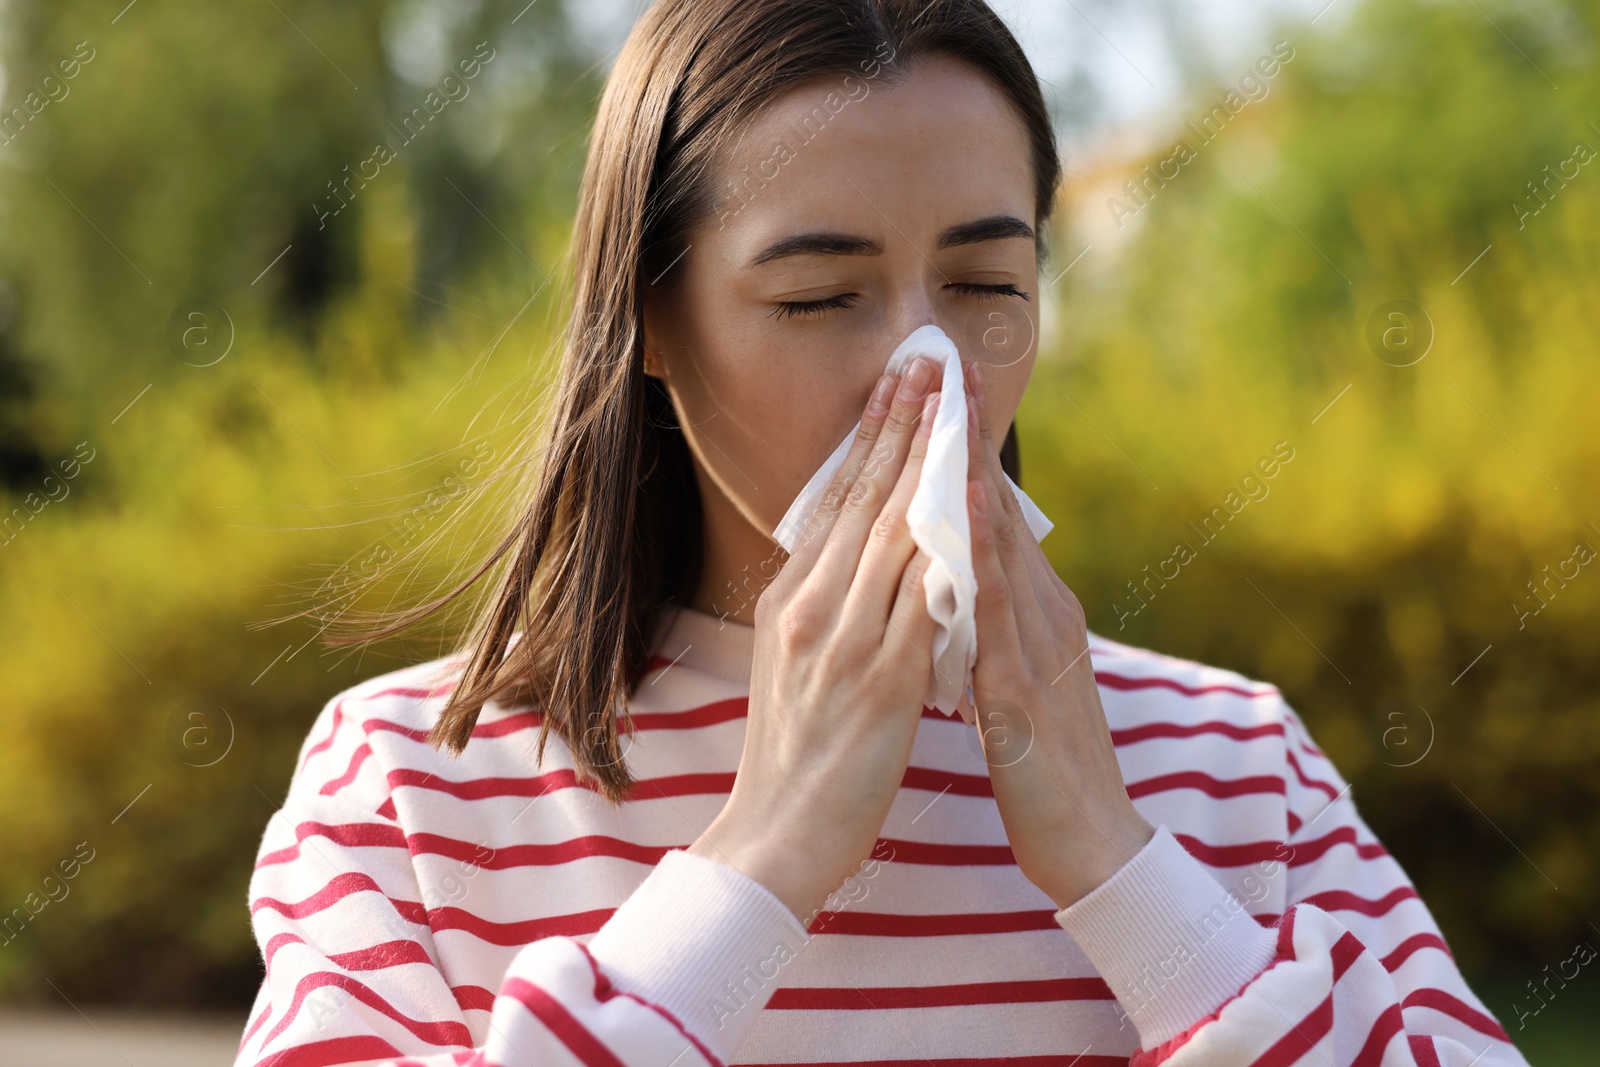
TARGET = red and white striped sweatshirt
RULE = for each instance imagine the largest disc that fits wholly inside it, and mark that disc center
(418, 908)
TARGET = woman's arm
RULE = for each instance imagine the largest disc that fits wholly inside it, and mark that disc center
(1355, 971)
(352, 974)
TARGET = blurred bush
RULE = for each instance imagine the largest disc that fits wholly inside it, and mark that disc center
(1379, 577)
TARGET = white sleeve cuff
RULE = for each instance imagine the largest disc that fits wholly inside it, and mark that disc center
(1172, 943)
(703, 941)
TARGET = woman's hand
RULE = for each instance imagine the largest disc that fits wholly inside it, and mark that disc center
(841, 665)
(1056, 780)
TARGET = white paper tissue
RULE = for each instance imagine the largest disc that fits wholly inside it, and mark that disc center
(937, 518)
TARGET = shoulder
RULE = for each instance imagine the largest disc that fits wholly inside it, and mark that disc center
(1190, 715)
(401, 704)
(1147, 687)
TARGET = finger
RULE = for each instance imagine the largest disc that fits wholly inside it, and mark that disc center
(996, 610)
(991, 454)
(809, 546)
(1009, 533)
(889, 545)
(910, 627)
(841, 551)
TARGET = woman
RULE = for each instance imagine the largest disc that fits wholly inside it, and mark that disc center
(1137, 858)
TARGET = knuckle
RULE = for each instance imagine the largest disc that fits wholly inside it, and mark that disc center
(834, 496)
(866, 493)
(916, 570)
(902, 418)
(888, 527)
(799, 621)
(1005, 533)
(1077, 619)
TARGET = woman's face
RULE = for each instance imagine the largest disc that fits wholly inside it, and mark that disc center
(907, 206)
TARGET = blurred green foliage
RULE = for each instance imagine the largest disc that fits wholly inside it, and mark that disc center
(1232, 312)
(1375, 581)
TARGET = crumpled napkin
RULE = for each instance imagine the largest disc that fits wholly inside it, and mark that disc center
(937, 517)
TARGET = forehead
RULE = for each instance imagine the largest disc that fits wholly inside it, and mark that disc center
(942, 146)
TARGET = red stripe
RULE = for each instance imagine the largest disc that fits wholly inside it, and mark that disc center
(351, 835)
(1344, 953)
(377, 957)
(509, 856)
(1342, 900)
(1388, 1023)
(1306, 851)
(938, 781)
(1084, 1060)
(681, 785)
(880, 924)
(408, 691)
(1439, 1000)
(1149, 731)
(276, 942)
(1412, 944)
(474, 998)
(713, 714)
(333, 1051)
(940, 855)
(1285, 946)
(444, 1032)
(1123, 682)
(1241, 855)
(1205, 783)
(866, 998)
(253, 1027)
(357, 758)
(603, 991)
(560, 1022)
(1309, 782)
(1301, 1038)
(518, 933)
(338, 716)
(334, 890)
(1422, 1050)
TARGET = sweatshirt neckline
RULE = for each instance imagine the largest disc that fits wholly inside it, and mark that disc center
(708, 643)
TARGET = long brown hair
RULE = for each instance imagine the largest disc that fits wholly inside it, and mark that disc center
(610, 534)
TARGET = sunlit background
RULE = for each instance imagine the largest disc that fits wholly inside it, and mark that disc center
(223, 385)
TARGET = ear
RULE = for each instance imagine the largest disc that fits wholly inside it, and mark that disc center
(653, 329)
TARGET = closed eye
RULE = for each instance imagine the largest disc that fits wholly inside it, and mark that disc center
(988, 291)
(811, 307)
(844, 301)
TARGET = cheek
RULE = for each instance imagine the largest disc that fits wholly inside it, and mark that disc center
(1001, 334)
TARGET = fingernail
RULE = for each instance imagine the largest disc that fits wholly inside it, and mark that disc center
(920, 375)
(977, 381)
(880, 395)
(972, 417)
(979, 505)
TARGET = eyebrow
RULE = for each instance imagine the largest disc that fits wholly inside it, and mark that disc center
(993, 228)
